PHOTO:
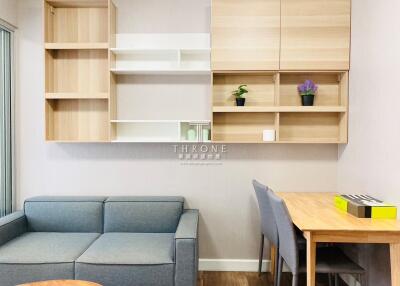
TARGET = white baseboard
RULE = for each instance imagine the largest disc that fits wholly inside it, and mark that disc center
(245, 265)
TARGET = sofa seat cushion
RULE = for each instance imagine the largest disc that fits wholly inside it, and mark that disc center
(42, 256)
(46, 247)
(131, 249)
(127, 259)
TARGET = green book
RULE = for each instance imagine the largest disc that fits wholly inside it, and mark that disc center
(364, 206)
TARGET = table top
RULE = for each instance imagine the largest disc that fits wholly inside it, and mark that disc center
(316, 211)
(62, 283)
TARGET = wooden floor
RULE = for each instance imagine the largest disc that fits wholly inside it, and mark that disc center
(250, 279)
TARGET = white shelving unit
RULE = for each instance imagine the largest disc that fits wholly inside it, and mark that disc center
(159, 130)
(162, 54)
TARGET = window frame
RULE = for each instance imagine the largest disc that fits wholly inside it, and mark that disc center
(12, 30)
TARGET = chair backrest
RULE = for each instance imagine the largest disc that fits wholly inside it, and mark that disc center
(142, 214)
(65, 214)
(268, 223)
(287, 235)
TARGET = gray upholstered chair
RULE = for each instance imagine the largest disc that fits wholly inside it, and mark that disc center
(269, 228)
(268, 224)
(329, 260)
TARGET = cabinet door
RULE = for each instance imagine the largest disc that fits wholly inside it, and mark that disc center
(245, 34)
(315, 35)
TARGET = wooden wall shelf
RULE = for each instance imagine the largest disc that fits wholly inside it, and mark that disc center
(77, 71)
(273, 102)
(93, 74)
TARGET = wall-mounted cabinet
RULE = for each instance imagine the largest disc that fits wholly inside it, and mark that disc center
(280, 34)
(315, 35)
(245, 34)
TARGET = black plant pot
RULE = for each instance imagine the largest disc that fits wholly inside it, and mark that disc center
(240, 101)
(307, 100)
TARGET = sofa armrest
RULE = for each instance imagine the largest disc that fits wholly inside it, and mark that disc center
(12, 226)
(188, 225)
(186, 249)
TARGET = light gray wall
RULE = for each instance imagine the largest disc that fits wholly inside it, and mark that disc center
(370, 162)
(8, 11)
(229, 216)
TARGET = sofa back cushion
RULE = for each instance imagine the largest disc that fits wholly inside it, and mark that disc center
(65, 214)
(142, 214)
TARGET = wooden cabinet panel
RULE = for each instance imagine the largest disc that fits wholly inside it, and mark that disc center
(245, 34)
(315, 35)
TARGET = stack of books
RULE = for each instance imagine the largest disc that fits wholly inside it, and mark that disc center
(364, 206)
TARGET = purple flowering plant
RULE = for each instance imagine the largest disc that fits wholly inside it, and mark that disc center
(307, 88)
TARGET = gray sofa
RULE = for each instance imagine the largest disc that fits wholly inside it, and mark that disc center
(109, 240)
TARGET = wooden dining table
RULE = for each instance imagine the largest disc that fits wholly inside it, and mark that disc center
(320, 221)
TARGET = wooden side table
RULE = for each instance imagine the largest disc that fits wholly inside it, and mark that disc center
(61, 283)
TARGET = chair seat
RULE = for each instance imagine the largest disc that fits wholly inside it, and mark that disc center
(130, 249)
(331, 260)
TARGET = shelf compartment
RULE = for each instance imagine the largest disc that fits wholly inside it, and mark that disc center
(71, 95)
(76, 46)
(197, 127)
(83, 120)
(262, 88)
(161, 54)
(313, 127)
(146, 130)
(279, 109)
(332, 88)
(241, 127)
(76, 71)
(147, 61)
(76, 22)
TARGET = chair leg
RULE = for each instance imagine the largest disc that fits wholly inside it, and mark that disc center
(280, 265)
(276, 270)
(361, 279)
(261, 254)
(330, 279)
(336, 279)
(295, 279)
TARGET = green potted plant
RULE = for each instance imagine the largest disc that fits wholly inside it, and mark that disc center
(239, 94)
(307, 91)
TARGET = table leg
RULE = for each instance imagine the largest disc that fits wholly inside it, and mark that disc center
(273, 262)
(395, 263)
(311, 258)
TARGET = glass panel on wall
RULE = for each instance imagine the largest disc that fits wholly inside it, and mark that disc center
(5, 123)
